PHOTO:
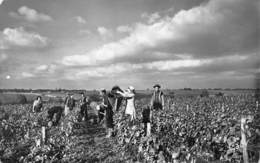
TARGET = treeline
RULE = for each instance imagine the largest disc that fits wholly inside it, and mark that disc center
(42, 90)
(225, 89)
(82, 90)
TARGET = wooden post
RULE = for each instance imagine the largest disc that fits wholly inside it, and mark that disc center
(243, 140)
(43, 134)
(259, 157)
(148, 129)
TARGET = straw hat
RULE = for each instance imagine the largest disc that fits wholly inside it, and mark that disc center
(157, 85)
(131, 88)
(102, 90)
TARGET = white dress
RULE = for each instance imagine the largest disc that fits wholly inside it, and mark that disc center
(130, 106)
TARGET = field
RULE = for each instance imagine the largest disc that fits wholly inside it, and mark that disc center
(190, 129)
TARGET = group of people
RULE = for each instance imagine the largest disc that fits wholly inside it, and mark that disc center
(110, 102)
(108, 106)
(54, 113)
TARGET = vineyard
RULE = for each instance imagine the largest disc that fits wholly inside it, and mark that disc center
(190, 129)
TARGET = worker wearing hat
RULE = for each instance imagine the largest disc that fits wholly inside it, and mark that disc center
(157, 101)
(108, 108)
(84, 105)
(129, 94)
(69, 103)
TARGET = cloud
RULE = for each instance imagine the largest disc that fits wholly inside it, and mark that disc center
(1, 2)
(44, 71)
(48, 69)
(104, 32)
(176, 64)
(80, 20)
(27, 75)
(234, 65)
(123, 68)
(219, 27)
(20, 37)
(30, 15)
(42, 68)
(124, 29)
(151, 18)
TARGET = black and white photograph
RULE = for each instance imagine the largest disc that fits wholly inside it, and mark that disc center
(129, 81)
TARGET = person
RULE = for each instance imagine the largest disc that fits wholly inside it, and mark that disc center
(108, 112)
(146, 119)
(37, 104)
(129, 94)
(157, 100)
(84, 104)
(157, 103)
(69, 104)
(115, 98)
(54, 114)
(101, 113)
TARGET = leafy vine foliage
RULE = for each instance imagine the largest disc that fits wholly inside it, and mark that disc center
(190, 128)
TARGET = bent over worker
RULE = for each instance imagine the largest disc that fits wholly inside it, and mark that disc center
(54, 114)
(37, 104)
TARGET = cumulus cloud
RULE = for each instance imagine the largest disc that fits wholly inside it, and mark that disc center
(42, 68)
(30, 15)
(124, 29)
(38, 71)
(80, 20)
(104, 32)
(45, 70)
(140, 38)
(237, 64)
(151, 18)
(26, 75)
(1, 2)
(20, 37)
(176, 64)
(219, 27)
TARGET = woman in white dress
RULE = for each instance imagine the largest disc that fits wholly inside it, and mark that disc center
(129, 94)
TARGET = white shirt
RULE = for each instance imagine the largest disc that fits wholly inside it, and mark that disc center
(130, 106)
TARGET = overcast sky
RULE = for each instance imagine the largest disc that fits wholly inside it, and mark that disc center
(91, 44)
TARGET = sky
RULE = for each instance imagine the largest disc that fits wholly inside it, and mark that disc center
(92, 44)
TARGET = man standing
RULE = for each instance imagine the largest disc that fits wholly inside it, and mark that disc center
(84, 103)
(69, 104)
(157, 101)
(108, 112)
